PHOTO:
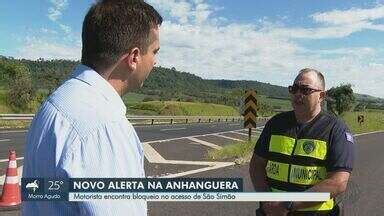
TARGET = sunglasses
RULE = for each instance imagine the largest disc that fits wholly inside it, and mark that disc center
(305, 90)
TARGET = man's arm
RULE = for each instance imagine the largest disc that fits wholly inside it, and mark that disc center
(259, 181)
(339, 164)
(257, 173)
(258, 161)
(335, 183)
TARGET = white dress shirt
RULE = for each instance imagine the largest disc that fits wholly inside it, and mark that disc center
(81, 131)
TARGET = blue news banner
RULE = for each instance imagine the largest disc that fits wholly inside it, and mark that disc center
(150, 189)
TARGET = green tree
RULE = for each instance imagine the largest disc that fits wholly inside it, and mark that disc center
(360, 107)
(50, 77)
(340, 99)
(9, 70)
(21, 91)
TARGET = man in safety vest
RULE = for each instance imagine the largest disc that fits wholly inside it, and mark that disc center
(305, 149)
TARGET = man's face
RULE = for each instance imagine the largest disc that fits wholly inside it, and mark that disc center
(306, 93)
(148, 60)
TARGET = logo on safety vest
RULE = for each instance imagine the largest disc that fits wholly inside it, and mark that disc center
(308, 147)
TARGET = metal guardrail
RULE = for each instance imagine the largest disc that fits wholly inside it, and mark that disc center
(152, 119)
(16, 116)
(183, 119)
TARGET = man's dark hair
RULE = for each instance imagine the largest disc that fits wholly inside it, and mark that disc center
(113, 27)
(320, 76)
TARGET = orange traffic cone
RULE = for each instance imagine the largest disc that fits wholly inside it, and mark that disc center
(11, 189)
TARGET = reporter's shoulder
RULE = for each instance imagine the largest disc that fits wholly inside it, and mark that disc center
(81, 106)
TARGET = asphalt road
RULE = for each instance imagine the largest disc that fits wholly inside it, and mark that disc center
(365, 194)
(175, 149)
(145, 133)
(180, 154)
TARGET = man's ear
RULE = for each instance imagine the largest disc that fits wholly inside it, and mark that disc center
(132, 58)
(323, 94)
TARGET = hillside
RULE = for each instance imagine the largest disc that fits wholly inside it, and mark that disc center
(166, 84)
(162, 84)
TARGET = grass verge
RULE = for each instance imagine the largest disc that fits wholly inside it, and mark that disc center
(373, 121)
(185, 108)
(14, 124)
(235, 150)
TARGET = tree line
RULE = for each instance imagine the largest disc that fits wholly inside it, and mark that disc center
(29, 82)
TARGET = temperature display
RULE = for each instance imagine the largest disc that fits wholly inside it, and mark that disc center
(55, 185)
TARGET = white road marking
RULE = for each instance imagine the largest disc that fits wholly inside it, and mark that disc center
(235, 132)
(154, 157)
(217, 166)
(202, 163)
(243, 131)
(4, 140)
(178, 138)
(367, 133)
(257, 129)
(253, 129)
(227, 137)
(172, 129)
(202, 142)
(13, 131)
(151, 154)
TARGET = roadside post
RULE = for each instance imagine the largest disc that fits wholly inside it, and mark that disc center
(250, 111)
(360, 119)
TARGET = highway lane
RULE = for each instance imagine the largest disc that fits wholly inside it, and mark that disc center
(364, 196)
(16, 139)
(366, 191)
(174, 151)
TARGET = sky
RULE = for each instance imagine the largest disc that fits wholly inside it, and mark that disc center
(263, 40)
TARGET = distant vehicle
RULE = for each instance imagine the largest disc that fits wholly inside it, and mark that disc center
(32, 186)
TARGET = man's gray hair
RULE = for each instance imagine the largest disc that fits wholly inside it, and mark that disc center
(320, 76)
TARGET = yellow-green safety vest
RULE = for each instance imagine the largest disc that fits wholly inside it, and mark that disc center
(296, 159)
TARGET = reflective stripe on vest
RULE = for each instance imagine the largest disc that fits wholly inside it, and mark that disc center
(305, 147)
(278, 171)
(307, 175)
(303, 175)
(281, 144)
(328, 205)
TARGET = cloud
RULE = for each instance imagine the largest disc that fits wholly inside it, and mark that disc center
(320, 32)
(351, 16)
(35, 48)
(334, 24)
(48, 31)
(55, 12)
(362, 52)
(65, 28)
(60, 43)
(185, 11)
(267, 51)
(194, 39)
